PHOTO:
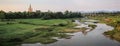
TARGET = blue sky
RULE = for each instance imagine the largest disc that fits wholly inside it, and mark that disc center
(60, 5)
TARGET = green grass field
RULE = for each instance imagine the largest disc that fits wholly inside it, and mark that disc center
(34, 30)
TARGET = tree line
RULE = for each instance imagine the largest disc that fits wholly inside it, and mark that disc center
(102, 14)
(39, 14)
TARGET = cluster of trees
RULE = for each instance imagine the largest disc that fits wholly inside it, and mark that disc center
(39, 14)
(102, 13)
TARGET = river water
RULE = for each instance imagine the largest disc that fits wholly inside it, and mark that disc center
(90, 38)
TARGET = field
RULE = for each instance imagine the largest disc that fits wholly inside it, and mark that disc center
(34, 30)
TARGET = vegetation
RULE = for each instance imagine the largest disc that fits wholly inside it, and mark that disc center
(110, 18)
(93, 26)
(114, 34)
(18, 27)
(31, 27)
(34, 30)
(38, 14)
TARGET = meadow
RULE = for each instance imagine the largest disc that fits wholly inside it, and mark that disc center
(35, 30)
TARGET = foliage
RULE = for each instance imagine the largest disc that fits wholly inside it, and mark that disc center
(115, 22)
(32, 30)
(39, 14)
(93, 26)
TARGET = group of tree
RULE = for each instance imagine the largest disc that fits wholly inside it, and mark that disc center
(39, 14)
(103, 13)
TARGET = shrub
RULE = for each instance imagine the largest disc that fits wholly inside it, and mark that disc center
(61, 24)
(10, 23)
(93, 26)
(23, 22)
(16, 40)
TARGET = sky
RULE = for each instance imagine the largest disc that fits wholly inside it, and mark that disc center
(60, 5)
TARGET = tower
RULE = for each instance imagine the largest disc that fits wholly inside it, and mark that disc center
(30, 9)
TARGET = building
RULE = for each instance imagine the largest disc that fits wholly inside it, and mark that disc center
(30, 9)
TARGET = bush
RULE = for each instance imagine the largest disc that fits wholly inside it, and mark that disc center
(73, 20)
(61, 24)
(93, 26)
(27, 23)
(10, 23)
(16, 40)
(109, 32)
(49, 29)
(23, 22)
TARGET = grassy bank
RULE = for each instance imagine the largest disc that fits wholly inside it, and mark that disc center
(114, 34)
(114, 21)
(34, 30)
(92, 26)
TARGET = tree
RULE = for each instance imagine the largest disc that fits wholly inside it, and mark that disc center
(2, 15)
(39, 14)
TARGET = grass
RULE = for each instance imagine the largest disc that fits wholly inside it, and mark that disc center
(72, 30)
(114, 34)
(43, 40)
(43, 22)
(34, 30)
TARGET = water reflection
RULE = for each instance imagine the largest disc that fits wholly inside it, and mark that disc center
(85, 32)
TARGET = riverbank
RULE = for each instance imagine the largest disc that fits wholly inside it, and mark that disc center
(85, 38)
(115, 33)
(35, 30)
(113, 21)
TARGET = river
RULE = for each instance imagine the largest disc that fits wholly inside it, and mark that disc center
(91, 38)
